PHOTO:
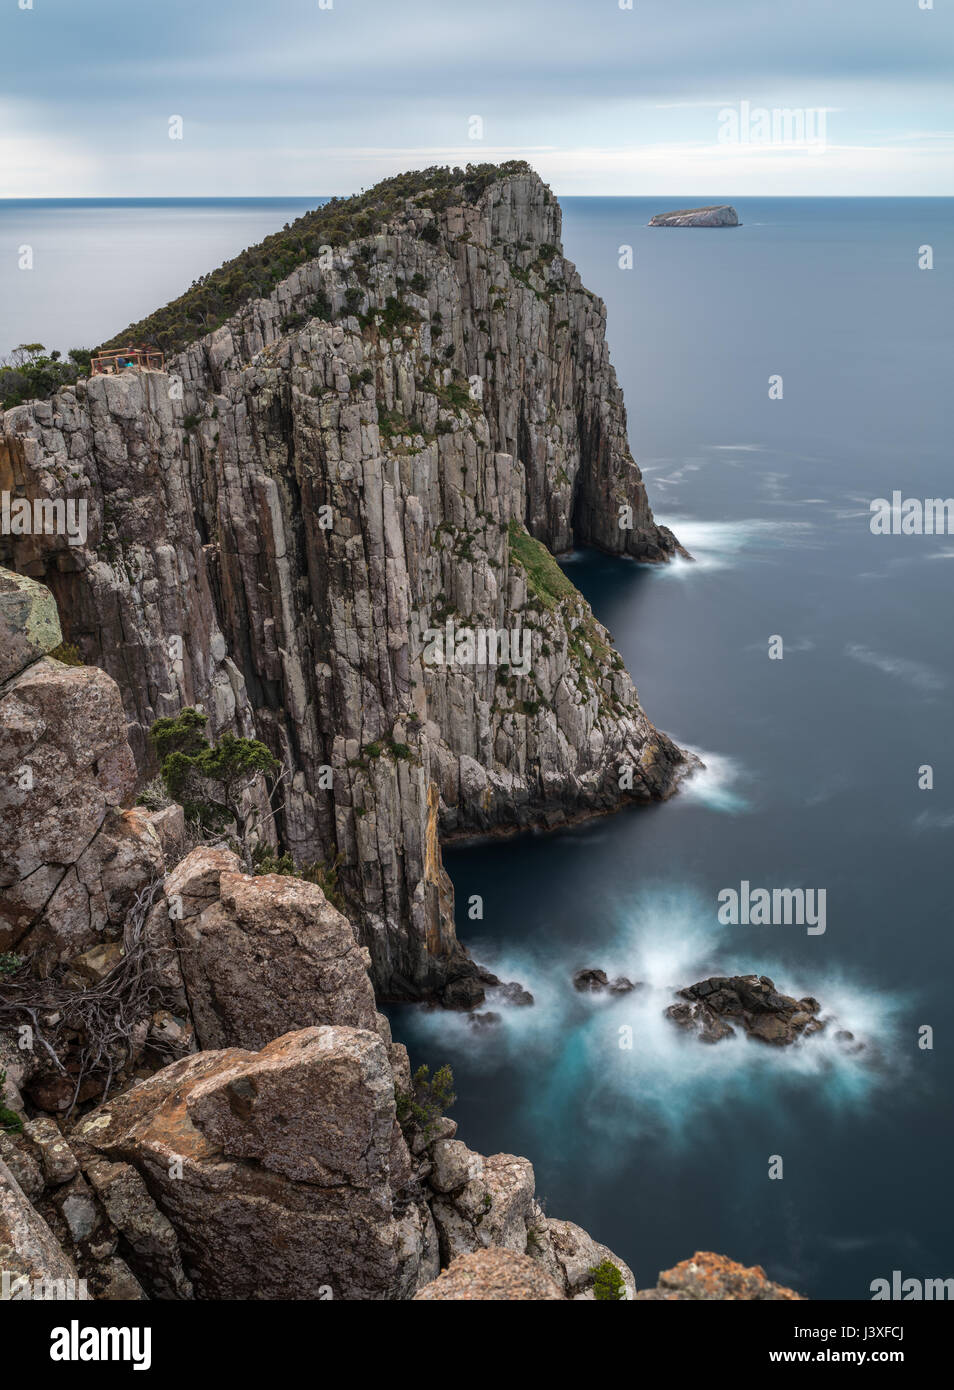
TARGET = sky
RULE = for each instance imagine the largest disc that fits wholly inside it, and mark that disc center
(636, 97)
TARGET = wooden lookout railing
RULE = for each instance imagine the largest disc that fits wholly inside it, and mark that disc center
(142, 358)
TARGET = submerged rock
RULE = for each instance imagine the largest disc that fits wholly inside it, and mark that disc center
(718, 215)
(595, 981)
(515, 995)
(590, 981)
(750, 1002)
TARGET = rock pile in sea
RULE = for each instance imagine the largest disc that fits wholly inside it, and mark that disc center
(714, 1008)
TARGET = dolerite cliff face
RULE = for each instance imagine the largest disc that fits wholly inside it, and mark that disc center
(277, 520)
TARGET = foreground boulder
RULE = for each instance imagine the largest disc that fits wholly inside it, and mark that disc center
(29, 623)
(712, 1277)
(257, 956)
(492, 1275)
(279, 1171)
(714, 1008)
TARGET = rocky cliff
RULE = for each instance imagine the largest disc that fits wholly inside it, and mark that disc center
(198, 1096)
(302, 521)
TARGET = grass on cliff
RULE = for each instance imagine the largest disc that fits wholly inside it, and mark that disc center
(545, 579)
(254, 273)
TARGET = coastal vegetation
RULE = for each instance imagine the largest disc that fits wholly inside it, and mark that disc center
(254, 273)
(31, 373)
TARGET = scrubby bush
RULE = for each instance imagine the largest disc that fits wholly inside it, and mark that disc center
(31, 373)
(430, 1097)
(209, 780)
(608, 1286)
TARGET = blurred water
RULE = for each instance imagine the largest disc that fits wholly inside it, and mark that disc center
(811, 776)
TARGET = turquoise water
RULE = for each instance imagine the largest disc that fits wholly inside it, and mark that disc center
(811, 762)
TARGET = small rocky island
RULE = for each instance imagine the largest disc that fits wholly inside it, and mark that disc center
(719, 215)
(752, 1003)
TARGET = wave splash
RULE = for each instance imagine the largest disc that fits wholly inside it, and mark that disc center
(615, 1068)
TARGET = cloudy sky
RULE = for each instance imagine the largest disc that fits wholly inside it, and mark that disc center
(327, 96)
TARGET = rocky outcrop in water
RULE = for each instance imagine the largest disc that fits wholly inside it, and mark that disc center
(590, 981)
(714, 1008)
(718, 215)
(277, 522)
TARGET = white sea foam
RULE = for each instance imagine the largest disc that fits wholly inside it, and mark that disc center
(717, 545)
(718, 784)
(564, 1052)
(913, 673)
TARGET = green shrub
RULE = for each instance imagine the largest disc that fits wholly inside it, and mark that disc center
(429, 1099)
(320, 306)
(545, 579)
(608, 1286)
(68, 653)
(208, 780)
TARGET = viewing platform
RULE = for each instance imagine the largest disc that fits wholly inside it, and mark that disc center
(140, 358)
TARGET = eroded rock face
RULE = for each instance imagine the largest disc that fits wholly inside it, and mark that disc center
(480, 1201)
(714, 1008)
(707, 1276)
(718, 215)
(492, 1275)
(29, 623)
(443, 449)
(28, 1249)
(569, 1255)
(279, 1170)
(261, 955)
(72, 859)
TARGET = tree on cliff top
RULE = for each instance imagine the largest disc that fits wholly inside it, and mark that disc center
(31, 373)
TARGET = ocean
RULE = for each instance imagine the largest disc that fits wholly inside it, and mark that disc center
(812, 761)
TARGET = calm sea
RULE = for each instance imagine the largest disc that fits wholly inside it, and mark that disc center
(811, 761)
